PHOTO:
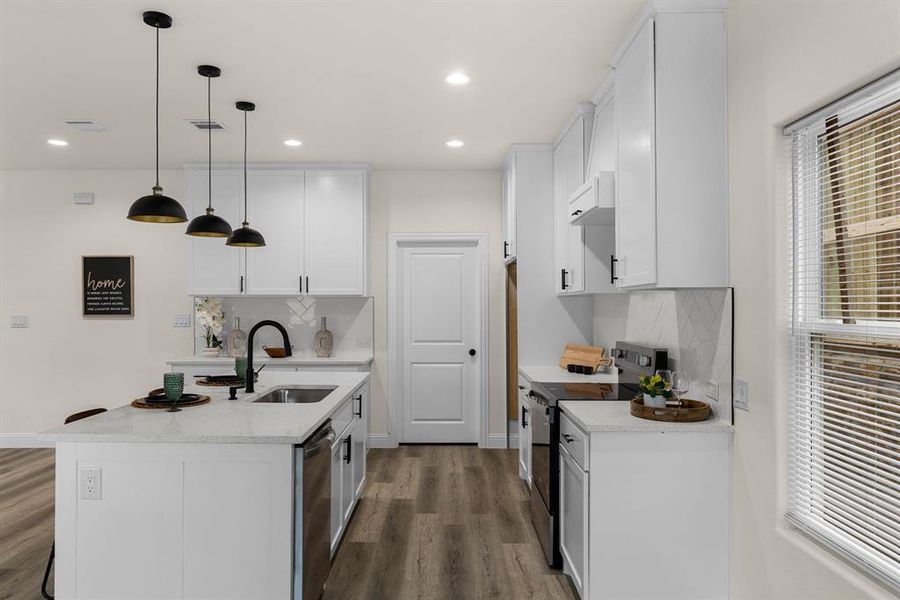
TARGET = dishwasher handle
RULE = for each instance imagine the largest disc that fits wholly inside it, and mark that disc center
(325, 441)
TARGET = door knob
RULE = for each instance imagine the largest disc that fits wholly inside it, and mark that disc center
(471, 351)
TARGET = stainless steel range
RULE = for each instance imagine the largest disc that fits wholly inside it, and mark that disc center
(631, 361)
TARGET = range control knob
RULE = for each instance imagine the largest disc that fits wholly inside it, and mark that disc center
(644, 360)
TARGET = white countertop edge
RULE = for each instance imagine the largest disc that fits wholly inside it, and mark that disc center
(348, 359)
(90, 430)
(597, 417)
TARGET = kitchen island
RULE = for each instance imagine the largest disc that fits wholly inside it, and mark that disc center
(206, 502)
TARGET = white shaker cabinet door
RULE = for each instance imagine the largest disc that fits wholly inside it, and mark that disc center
(573, 526)
(335, 233)
(276, 205)
(215, 269)
(636, 192)
(568, 176)
(337, 517)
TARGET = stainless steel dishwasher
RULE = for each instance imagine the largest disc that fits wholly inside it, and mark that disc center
(312, 513)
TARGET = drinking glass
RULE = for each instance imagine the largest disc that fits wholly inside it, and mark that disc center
(173, 385)
(240, 366)
(666, 376)
(680, 382)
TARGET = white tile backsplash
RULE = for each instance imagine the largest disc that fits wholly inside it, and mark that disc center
(695, 326)
(350, 320)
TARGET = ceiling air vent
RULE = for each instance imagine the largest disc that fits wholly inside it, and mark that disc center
(204, 125)
(86, 125)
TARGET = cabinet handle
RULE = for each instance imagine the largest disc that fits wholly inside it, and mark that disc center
(242, 284)
(562, 279)
(612, 268)
(349, 442)
(301, 284)
(359, 413)
(569, 439)
(577, 212)
(307, 283)
(524, 412)
(505, 249)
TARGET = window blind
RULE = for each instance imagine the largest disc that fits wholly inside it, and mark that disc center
(844, 450)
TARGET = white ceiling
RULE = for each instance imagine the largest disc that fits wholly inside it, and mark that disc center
(355, 81)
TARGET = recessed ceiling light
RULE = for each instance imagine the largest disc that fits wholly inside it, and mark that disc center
(457, 78)
(455, 143)
(293, 142)
(58, 142)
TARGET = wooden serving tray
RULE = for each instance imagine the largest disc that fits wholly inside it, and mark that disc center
(142, 403)
(689, 411)
(235, 382)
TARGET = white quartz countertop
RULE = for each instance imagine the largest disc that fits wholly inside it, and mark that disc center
(261, 359)
(221, 421)
(555, 374)
(616, 416)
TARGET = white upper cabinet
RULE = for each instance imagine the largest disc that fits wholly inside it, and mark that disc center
(508, 198)
(671, 176)
(594, 203)
(276, 202)
(215, 269)
(582, 253)
(315, 223)
(568, 176)
(335, 233)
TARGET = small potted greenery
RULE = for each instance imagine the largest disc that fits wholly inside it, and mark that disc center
(655, 391)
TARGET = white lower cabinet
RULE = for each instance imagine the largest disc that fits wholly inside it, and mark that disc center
(629, 499)
(524, 433)
(348, 461)
(573, 525)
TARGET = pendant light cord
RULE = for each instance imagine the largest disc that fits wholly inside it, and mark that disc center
(209, 135)
(157, 106)
(245, 168)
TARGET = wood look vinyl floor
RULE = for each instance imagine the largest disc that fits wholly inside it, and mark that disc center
(436, 522)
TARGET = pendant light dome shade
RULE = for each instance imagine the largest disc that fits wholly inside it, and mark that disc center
(245, 237)
(157, 207)
(209, 224)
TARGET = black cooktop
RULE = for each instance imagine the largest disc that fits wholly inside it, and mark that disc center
(554, 392)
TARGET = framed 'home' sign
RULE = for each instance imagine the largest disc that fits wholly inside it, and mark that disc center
(107, 286)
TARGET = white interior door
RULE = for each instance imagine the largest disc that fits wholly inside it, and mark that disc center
(438, 310)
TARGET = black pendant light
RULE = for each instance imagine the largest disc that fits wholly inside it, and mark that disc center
(157, 208)
(245, 237)
(210, 224)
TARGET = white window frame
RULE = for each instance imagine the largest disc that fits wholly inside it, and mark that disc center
(806, 319)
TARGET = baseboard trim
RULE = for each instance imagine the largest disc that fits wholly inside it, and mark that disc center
(381, 440)
(496, 440)
(514, 440)
(24, 440)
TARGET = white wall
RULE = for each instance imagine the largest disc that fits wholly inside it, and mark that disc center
(437, 201)
(64, 362)
(784, 60)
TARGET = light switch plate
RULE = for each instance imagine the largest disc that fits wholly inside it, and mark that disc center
(182, 320)
(741, 394)
(18, 321)
(90, 483)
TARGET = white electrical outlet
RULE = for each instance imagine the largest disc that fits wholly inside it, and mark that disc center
(83, 197)
(182, 320)
(90, 482)
(18, 321)
(741, 394)
(711, 390)
(362, 342)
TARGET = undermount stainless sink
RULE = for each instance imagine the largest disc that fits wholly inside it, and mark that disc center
(297, 395)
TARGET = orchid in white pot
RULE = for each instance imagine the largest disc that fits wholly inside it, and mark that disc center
(211, 317)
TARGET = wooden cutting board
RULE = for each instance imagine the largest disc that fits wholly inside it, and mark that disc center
(582, 355)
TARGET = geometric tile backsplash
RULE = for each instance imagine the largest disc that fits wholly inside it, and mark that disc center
(350, 321)
(694, 325)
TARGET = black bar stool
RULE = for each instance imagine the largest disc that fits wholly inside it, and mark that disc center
(70, 419)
